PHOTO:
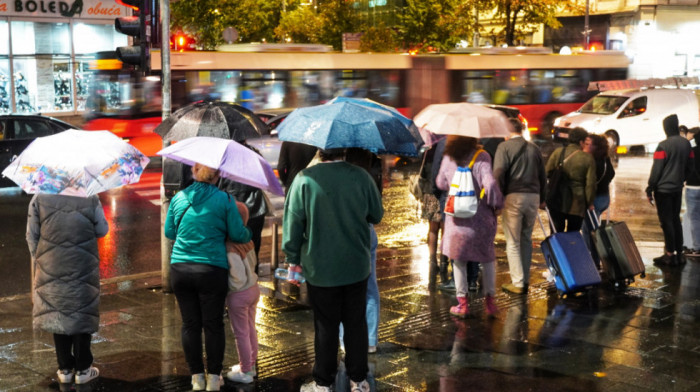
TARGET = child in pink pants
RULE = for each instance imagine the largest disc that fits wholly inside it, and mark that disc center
(242, 301)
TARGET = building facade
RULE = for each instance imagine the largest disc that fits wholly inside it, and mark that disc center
(45, 50)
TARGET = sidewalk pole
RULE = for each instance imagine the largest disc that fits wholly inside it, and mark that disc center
(165, 244)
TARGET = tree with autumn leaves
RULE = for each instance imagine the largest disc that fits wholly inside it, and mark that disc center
(422, 25)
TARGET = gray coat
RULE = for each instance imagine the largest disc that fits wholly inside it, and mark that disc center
(62, 234)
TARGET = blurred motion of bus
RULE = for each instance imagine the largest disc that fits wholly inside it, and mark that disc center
(261, 77)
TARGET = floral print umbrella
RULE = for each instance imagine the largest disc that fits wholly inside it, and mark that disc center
(76, 163)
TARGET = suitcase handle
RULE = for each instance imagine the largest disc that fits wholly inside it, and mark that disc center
(595, 220)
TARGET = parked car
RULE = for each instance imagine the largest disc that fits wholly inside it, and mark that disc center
(18, 130)
(633, 117)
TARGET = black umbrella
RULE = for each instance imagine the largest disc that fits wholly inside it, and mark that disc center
(216, 119)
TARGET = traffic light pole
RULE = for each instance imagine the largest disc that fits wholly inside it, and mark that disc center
(166, 245)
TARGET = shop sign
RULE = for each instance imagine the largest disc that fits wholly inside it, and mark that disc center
(79, 9)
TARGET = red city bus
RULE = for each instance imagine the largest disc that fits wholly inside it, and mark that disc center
(263, 77)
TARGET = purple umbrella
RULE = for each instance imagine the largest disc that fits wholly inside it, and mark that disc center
(233, 160)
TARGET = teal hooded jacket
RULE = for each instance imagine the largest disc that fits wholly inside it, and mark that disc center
(200, 218)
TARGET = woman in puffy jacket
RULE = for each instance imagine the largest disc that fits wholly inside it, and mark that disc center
(62, 233)
(199, 219)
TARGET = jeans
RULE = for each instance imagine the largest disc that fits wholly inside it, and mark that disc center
(518, 219)
(331, 306)
(73, 351)
(692, 205)
(372, 312)
(668, 208)
(201, 291)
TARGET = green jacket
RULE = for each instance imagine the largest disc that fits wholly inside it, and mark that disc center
(199, 219)
(579, 190)
(326, 223)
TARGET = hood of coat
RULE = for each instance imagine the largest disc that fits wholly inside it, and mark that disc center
(671, 125)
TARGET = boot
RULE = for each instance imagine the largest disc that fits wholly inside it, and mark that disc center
(462, 308)
(491, 308)
(447, 280)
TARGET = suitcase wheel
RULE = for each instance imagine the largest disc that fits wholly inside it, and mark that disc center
(643, 275)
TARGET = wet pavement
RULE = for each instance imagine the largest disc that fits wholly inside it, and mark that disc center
(642, 338)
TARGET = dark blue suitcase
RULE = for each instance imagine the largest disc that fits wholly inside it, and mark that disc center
(569, 261)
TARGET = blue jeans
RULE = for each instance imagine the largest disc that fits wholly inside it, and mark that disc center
(372, 312)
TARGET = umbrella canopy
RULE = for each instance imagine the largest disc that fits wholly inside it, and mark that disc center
(233, 160)
(76, 163)
(463, 119)
(410, 125)
(347, 124)
(216, 119)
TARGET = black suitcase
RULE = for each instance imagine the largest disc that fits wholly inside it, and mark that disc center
(618, 252)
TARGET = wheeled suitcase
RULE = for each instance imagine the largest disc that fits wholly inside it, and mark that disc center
(618, 252)
(569, 261)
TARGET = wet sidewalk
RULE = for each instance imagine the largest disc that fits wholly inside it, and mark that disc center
(643, 338)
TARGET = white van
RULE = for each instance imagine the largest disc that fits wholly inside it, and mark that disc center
(634, 117)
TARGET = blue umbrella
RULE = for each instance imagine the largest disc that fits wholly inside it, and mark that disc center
(374, 104)
(348, 124)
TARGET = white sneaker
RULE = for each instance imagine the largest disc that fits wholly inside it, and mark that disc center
(214, 382)
(313, 387)
(239, 376)
(87, 375)
(65, 376)
(199, 382)
(372, 349)
(362, 386)
(253, 371)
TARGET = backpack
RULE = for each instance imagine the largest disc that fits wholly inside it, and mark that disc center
(462, 201)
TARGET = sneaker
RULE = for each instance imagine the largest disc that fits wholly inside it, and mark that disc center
(253, 370)
(199, 382)
(214, 382)
(362, 386)
(511, 288)
(65, 376)
(313, 387)
(372, 349)
(236, 375)
(87, 375)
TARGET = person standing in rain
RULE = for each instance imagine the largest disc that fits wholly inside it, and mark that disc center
(326, 236)
(519, 170)
(199, 219)
(471, 239)
(577, 189)
(254, 200)
(692, 194)
(62, 233)
(673, 162)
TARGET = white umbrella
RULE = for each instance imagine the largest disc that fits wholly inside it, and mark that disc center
(463, 119)
(76, 163)
(233, 160)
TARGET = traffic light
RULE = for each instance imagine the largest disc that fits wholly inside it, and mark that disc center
(139, 27)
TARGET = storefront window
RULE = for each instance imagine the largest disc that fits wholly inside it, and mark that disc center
(5, 68)
(40, 38)
(93, 38)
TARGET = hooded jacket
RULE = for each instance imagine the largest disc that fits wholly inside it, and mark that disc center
(62, 234)
(673, 160)
(199, 219)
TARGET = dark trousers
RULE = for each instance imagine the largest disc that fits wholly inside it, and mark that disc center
(565, 222)
(256, 225)
(73, 351)
(668, 207)
(472, 271)
(201, 293)
(331, 306)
